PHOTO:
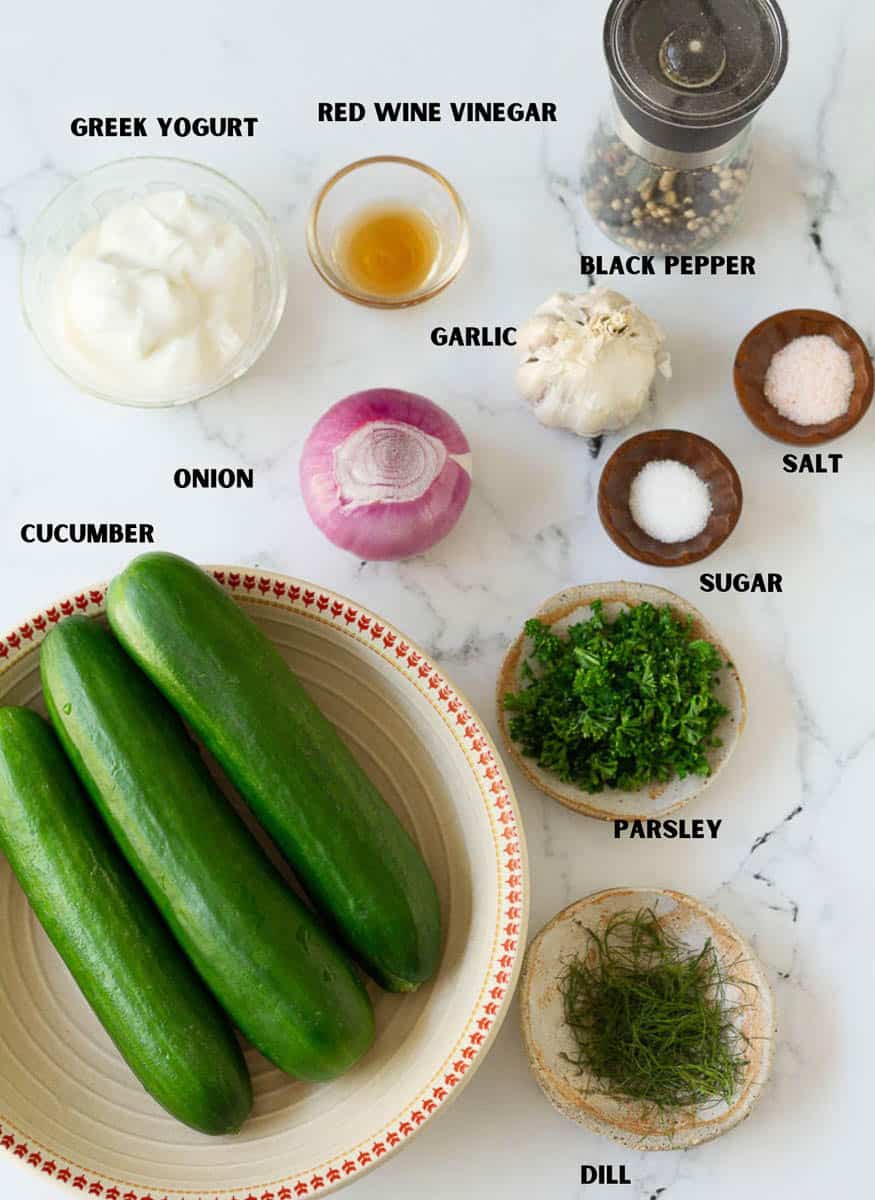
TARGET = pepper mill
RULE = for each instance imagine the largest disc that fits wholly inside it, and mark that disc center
(669, 164)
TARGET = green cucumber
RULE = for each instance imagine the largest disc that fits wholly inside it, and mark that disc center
(353, 857)
(164, 1022)
(271, 966)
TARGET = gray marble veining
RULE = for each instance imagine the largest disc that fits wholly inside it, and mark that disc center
(792, 866)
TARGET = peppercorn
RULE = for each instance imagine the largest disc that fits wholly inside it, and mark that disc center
(658, 209)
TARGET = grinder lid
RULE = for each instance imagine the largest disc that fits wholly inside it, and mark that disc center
(688, 75)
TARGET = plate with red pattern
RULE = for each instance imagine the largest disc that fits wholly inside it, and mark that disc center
(70, 1108)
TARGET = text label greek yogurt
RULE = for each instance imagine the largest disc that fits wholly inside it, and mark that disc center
(112, 127)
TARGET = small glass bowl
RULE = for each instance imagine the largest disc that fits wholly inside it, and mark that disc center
(387, 179)
(86, 201)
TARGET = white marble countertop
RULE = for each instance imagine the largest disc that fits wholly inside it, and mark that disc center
(792, 867)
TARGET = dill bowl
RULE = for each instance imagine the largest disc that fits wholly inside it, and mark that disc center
(550, 1044)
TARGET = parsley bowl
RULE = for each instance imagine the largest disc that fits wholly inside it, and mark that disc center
(656, 798)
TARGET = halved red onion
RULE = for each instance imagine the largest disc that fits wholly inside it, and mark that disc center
(385, 474)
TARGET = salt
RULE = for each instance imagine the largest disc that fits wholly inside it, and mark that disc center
(669, 501)
(810, 381)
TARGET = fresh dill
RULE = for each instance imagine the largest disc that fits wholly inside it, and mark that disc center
(650, 1018)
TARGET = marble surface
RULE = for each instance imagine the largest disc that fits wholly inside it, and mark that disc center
(792, 866)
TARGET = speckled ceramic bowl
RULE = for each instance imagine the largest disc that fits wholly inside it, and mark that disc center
(547, 1039)
(573, 605)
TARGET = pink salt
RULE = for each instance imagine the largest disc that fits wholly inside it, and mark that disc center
(811, 380)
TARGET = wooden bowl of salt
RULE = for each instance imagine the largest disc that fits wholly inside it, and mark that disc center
(817, 380)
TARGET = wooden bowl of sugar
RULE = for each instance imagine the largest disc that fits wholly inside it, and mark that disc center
(695, 473)
(804, 376)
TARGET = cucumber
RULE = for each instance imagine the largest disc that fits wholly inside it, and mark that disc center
(166, 1025)
(347, 847)
(271, 966)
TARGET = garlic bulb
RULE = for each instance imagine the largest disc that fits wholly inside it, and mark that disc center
(589, 361)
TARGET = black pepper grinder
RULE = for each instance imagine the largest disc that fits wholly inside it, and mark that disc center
(669, 164)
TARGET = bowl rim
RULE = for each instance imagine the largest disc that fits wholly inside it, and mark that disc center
(324, 606)
(766, 1004)
(768, 420)
(652, 557)
(357, 295)
(556, 607)
(276, 250)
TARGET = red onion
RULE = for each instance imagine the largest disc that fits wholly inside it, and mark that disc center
(385, 474)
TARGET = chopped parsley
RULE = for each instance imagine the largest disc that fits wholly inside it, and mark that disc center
(618, 704)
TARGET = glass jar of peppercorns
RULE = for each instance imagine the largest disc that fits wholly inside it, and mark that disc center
(668, 166)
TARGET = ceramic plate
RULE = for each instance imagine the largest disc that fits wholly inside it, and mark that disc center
(70, 1108)
(573, 605)
(548, 1040)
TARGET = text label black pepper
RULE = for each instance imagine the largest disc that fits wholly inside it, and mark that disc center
(672, 264)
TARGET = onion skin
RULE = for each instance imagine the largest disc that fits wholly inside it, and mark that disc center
(384, 529)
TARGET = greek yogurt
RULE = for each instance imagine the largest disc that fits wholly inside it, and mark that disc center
(158, 298)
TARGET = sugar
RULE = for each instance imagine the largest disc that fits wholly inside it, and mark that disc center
(810, 381)
(669, 501)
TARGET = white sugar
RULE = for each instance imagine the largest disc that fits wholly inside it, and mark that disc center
(810, 381)
(669, 501)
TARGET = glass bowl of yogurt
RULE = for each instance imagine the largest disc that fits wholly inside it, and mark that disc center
(153, 282)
